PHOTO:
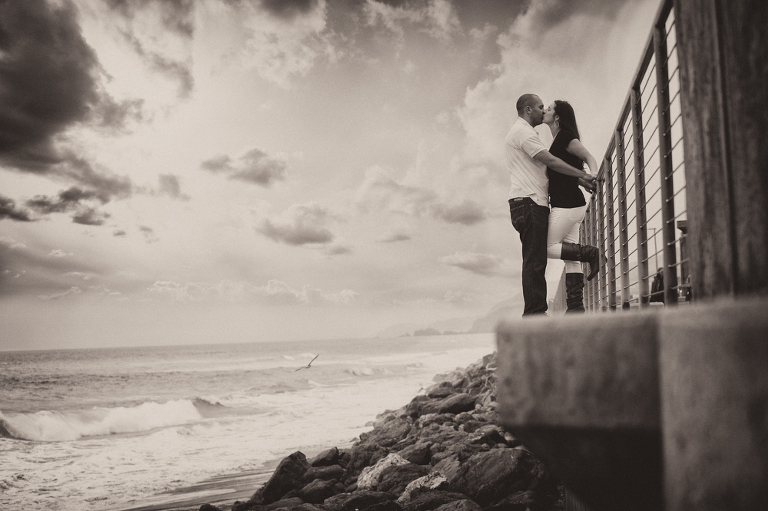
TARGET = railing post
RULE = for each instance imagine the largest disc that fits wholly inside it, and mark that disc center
(665, 154)
(619, 137)
(611, 257)
(603, 274)
(642, 232)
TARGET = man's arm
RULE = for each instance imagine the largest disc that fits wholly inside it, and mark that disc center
(558, 165)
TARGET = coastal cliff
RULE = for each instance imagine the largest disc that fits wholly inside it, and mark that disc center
(444, 450)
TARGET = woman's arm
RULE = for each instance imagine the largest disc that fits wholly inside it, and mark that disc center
(576, 148)
(558, 165)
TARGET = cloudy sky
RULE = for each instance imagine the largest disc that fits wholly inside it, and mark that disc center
(187, 171)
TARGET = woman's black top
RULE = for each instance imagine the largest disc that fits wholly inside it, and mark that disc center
(564, 190)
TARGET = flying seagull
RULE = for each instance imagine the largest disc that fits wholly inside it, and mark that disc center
(307, 366)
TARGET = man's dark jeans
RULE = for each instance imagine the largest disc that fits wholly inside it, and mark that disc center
(530, 220)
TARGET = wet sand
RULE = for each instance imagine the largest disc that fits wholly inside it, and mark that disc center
(221, 491)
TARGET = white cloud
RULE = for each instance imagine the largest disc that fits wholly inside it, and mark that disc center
(381, 192)
(78, 274)
(74, 290)
(283, 49)
(558, 59)
(437, 18)
(274, 292)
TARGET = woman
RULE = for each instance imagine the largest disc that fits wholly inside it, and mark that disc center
(568, 204)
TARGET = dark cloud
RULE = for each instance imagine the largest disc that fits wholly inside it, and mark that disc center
(9, 210)
(108, 186)
(119, 233)
(466, 213)
(75, 200)
(220, 163)
(169, 185)
(255, 166)
(48, 81)
(288, 8)
(301, 224)
(176, 15)
(90, 216)
(555, 12)
(174, 69)
(114, 116)
(67, 200)
(394, 237)
(149, 234)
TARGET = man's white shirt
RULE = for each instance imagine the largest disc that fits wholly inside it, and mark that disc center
(528, 176)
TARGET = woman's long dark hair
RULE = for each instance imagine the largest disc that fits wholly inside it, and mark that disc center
(564, 110)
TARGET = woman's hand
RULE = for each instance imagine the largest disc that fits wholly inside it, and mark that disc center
(590, 185)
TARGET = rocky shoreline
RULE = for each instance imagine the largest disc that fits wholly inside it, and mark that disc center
(445, 451)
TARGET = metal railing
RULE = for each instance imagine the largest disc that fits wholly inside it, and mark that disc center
(641, 188)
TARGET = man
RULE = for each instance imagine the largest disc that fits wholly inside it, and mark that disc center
(527, 161)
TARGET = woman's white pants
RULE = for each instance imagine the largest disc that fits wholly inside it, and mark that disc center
(564, 226)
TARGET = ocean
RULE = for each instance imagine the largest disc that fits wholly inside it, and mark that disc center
(120, 428)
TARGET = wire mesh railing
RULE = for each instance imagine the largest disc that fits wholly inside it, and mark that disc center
(637, 215)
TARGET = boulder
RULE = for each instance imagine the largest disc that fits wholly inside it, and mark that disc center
(490, 476)
(519, 501)
(457, 403)
(286, 503)
(364, 455)
(417, 453)
(305, 507)
(387, 505)
(432, 500)
(448, 466)
(430, 482)
(289, 475)
(440, 390)
(388, 433)
(396, 478)
(318, 490)
(209, 507)
(326, 473)
(460, 505)
(358, 500)
(440, 434)
(489, 434)
(326, 458)
(412, 409)
(369, 477)
(428, 419)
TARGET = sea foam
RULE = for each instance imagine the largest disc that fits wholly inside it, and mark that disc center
(58, 426)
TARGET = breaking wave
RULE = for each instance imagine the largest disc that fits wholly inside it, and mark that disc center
(50, 426)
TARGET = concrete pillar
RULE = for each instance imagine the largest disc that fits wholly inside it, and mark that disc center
(723, 55)
(582, 394)
(714, 393)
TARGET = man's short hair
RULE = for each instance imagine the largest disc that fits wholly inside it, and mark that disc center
(526, 100)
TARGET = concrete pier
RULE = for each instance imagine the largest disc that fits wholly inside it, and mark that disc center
(647, 410)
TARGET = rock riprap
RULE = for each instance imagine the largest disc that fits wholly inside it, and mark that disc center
(443, 451)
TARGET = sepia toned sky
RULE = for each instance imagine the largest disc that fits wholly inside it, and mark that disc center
(241, 170)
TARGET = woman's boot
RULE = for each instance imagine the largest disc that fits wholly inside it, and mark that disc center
(583, 253)
(574, 297)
